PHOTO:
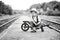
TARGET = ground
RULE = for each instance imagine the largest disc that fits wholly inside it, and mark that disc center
(15, 32)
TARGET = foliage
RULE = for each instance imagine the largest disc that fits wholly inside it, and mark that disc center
(5, 9)
(54, 7)
(37, 6)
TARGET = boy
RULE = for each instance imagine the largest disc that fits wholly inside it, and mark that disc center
(36, 21)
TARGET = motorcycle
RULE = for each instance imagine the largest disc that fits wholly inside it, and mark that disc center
(26, 25)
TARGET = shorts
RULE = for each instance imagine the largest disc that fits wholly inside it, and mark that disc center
(33, 25)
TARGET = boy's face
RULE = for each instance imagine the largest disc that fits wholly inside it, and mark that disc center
(34, 14)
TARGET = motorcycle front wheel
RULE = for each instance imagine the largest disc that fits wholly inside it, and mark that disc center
(25, 27)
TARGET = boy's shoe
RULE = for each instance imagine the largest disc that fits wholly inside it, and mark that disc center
(42, 30)
(33, 31)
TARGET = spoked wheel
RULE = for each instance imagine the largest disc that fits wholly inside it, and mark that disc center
(25, 27)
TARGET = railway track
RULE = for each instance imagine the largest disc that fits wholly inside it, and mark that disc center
(6, 23)
(5, 20)
(52, 25)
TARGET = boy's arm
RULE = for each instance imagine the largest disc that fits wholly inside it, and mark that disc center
(36, 23)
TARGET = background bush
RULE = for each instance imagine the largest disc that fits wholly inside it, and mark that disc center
(54, 8)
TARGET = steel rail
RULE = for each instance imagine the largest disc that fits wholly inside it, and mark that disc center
(9, 21)
(51, 27)
(15, 18)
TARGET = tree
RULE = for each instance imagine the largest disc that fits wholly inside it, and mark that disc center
(1, 6)
(54, 6)
(5, 9)
(37, 6)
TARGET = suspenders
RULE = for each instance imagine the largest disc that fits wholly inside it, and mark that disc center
(35, 19)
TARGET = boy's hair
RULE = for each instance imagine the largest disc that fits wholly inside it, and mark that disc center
(33, 11)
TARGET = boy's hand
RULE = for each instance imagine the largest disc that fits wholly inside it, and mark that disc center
(36, 23)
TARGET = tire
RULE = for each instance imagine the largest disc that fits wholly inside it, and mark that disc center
(25, 27)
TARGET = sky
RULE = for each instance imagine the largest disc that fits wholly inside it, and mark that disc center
(22, 4)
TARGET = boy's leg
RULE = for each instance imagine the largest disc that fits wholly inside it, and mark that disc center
(33, 28)
(42, 30)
